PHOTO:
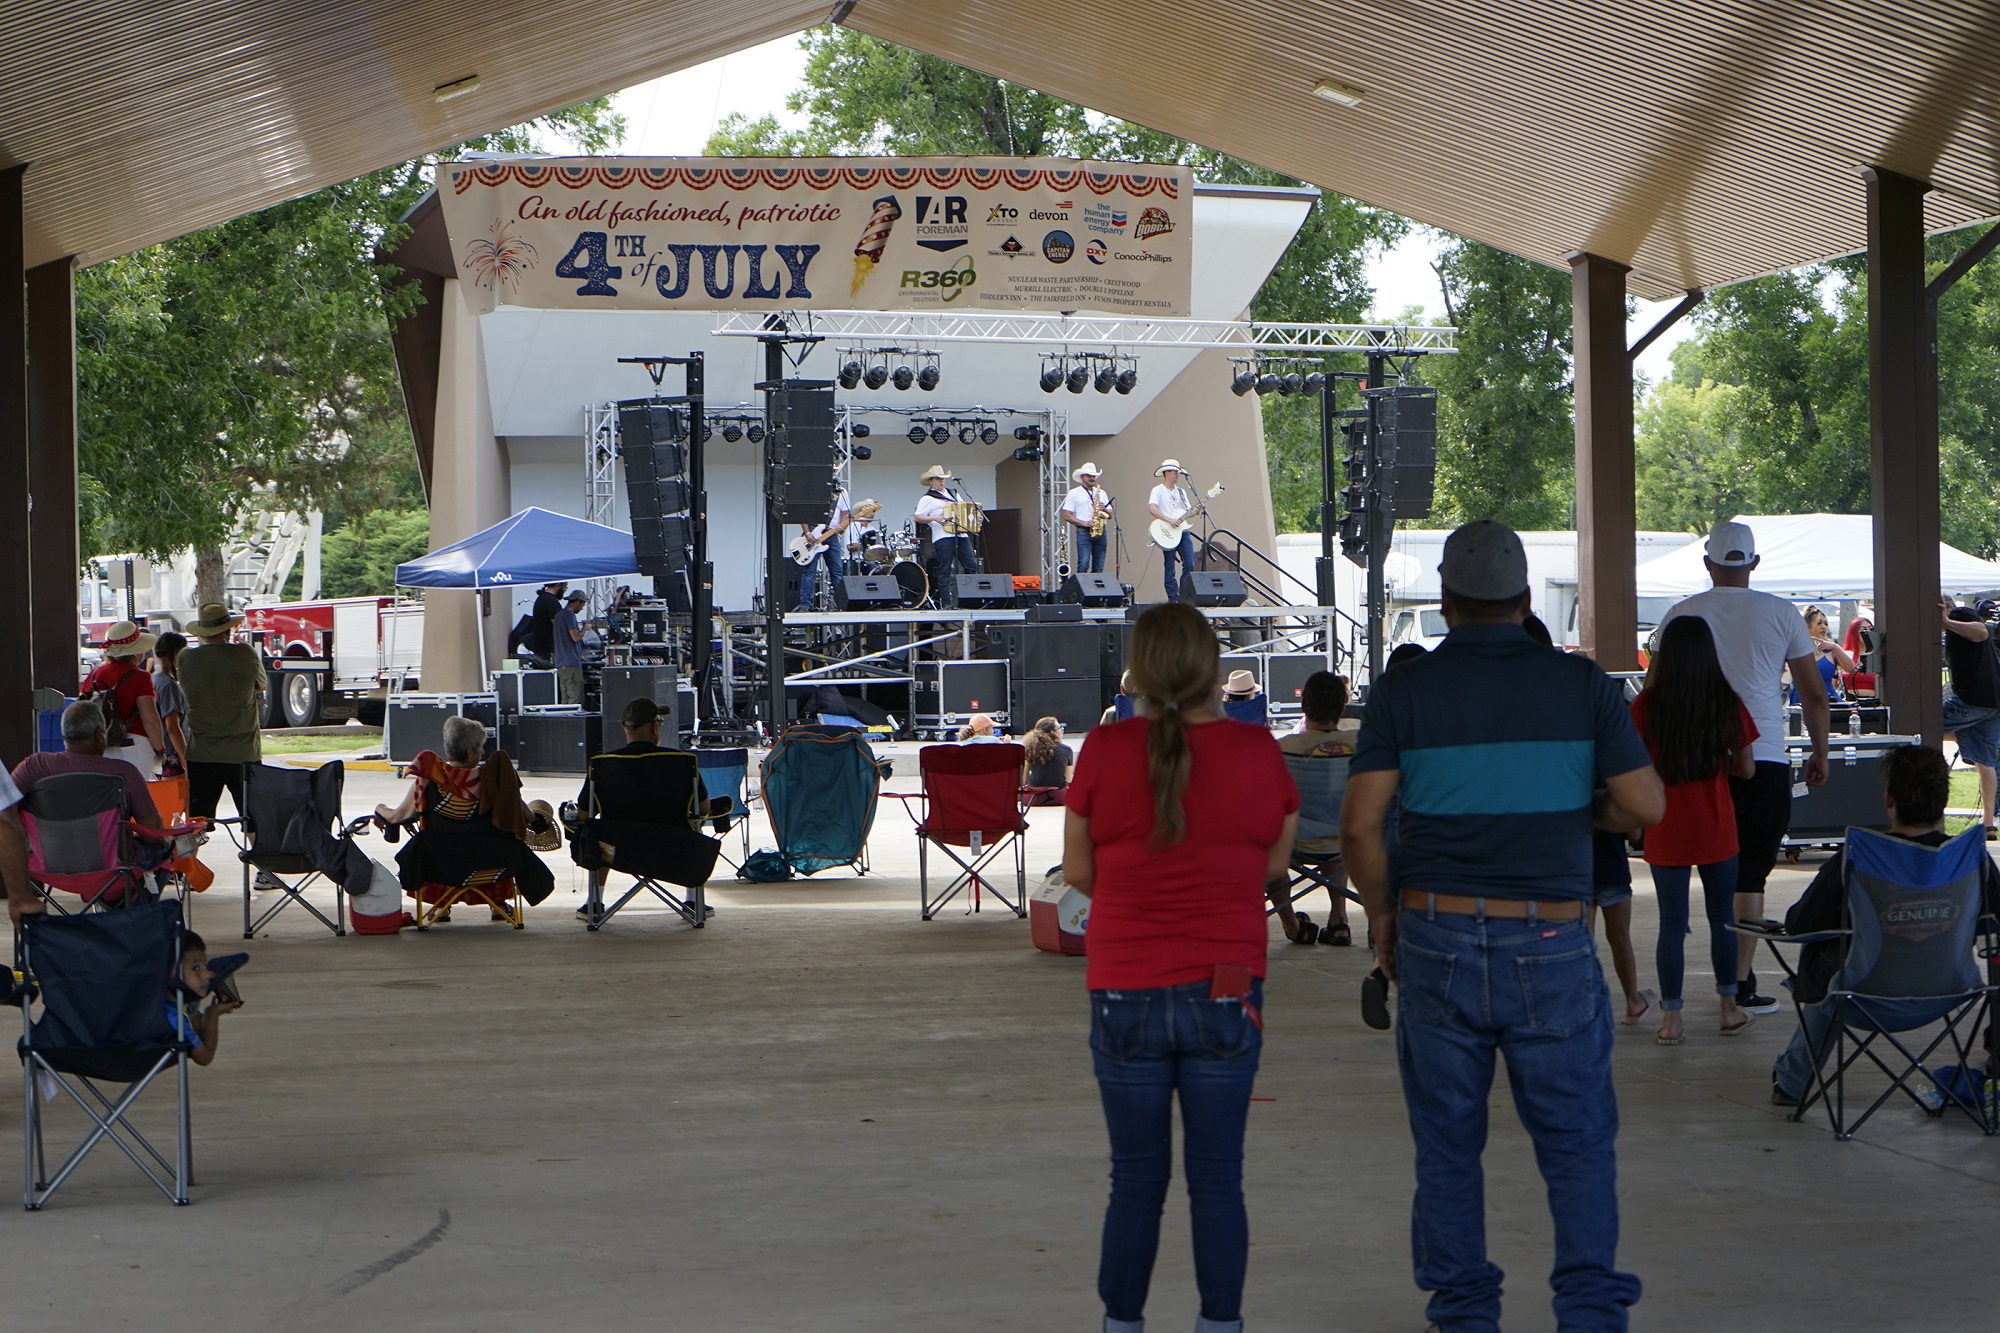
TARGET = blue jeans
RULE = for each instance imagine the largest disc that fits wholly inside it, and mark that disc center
(1185, 554)
(1977, 730)
(952, 556)
(1470, 986)
(1147, 1045)
(809, 581)
(1090, 551)
(1718, 898)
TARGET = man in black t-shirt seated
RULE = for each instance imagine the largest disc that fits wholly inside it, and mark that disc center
(1917, 783)
(1972, 700)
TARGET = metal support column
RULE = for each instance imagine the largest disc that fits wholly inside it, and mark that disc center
(1606, 503)
(777, 445)
(1381, 533)
(52, 482)
(701, 574)
(1903, 435)
(16, 650)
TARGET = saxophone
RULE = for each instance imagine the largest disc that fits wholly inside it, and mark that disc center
(1097, 519)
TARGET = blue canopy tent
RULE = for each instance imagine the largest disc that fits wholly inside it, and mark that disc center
(533, 547)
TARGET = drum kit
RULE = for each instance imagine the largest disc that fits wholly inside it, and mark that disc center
(893, 554)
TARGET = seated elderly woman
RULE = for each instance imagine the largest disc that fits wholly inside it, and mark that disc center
(473, 844)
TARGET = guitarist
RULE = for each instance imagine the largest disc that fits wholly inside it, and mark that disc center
(1080, 509)
(1170, 502)
(831, 558)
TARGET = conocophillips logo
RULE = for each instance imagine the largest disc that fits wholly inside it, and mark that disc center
(1152, 222)
(1058, 246)
(1096, 251)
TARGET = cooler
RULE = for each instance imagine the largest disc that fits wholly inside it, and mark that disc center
(1057, 915)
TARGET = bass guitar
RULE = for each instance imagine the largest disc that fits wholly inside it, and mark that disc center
(806, 548)
(1169, 535)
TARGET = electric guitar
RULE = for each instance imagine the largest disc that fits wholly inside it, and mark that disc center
(806, 548)
(1168, 535)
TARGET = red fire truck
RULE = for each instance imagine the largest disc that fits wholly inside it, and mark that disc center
(332, 660)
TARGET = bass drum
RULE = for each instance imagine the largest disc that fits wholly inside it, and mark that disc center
(910, 577)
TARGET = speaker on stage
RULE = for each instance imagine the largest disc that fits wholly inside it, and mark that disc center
(799, 448)
(1092, 590)
(871, 592)
(1220, 587)
(986, 592)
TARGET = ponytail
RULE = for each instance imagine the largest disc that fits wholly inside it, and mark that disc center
(1175, 665)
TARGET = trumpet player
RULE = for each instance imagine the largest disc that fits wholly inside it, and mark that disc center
(1088, 509)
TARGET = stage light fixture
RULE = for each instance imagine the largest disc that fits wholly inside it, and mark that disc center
(858, 430)
(1293, 382)
(732, 431)
(1316, 382)
(966, 434)
(940, 434)
(1028, 433)
(927, 378)
(1078, 378)
(1128, 379)
(989, 433)
(754, 432)
(1028, 453)
(918, 434)
(903, 377)
(860, 453)
(1267, 383)
(876, 375)
(1106, 378)
(1052, 376)
(707, 431)
(850, 374)
(1245, 381)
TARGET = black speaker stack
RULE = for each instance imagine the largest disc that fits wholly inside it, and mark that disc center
(1405, 419)
(1057, 671)
(799, 449)
(652, 442)
(621, 685)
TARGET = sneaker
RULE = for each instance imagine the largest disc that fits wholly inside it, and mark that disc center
(1757, 1004)
(266, 880)
(1375, 1000)
(591, 911)
(1779, 1097)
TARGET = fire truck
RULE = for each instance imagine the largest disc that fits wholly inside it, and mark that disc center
(334, 660)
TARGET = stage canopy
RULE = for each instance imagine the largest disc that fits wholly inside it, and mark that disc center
(1809, 555)
(531, 548)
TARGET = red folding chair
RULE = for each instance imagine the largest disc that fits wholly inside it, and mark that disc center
(81, 840)
(972, 800)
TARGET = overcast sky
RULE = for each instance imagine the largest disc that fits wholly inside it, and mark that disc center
(673, 117)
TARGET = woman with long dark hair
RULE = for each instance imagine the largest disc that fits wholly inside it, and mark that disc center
(1048, 764)
(1177, 819)
(1699, 734)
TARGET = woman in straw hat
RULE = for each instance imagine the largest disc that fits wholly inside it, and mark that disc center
(131, 712)
(1080, 511)
(1177, 819)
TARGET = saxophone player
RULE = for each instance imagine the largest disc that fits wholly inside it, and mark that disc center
(1088, 509)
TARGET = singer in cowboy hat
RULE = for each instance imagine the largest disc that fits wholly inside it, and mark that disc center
(224, 683)
(951, 554)
(1171, 503)
(1080, 512)
(123, 677)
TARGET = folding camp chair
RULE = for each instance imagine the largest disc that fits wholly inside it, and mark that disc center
(972, 799)
(104, 980)
(820, 785)
(1911, 917)
(724, 773)
(81, 840)
(647, 810)
(1322, 784)
(270, 848)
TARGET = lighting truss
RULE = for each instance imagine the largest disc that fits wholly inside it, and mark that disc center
(861, 326)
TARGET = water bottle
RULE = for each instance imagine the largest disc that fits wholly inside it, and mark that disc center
(1931, 1099)
(1854, 722)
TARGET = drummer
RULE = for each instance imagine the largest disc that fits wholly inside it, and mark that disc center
(950, 554)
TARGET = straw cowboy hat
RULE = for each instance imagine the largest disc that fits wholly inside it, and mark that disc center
(215, 618)
(935, 473)
(1173, 463)
(126, 639)
(1241, 685)
(1087, 470)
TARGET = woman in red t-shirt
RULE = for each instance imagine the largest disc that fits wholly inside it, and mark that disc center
(1177, 819)
(1699, 734)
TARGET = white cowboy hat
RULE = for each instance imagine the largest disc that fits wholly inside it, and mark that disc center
(126, 639)
(1087, 470)
(1173, 463)
(935, 472)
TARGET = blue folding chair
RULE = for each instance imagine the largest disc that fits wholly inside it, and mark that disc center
(724, 773)
(820, 786)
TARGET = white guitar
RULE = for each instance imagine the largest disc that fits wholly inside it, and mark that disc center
(1169, 535)
(806, 548)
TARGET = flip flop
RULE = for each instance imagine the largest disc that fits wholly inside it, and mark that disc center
(1651, 998)
(1735, 1028)
(1662, 1039)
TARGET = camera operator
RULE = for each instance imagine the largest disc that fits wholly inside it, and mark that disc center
(1972, 699)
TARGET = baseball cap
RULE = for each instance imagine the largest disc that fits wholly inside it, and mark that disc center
(641, 712)
(1484, 560)
(1731, 544)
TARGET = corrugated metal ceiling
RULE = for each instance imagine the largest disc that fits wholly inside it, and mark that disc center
(1701, 142)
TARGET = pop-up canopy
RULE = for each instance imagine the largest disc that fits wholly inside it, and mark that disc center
(1809, 555)
(533, 547)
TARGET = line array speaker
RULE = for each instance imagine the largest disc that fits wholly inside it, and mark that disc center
(1406, 438)
(799, 449)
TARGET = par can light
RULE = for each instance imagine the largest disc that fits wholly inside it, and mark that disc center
(860, 453)
(1245, 381)
(903, 378)
(877, 376)
(940, 434)
(927, 378)
(850, 374)
(918, 435)
(1078, 378)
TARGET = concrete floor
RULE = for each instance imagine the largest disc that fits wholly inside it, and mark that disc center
(822, 1113)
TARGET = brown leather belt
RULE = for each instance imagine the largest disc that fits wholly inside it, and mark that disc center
(1511, 909)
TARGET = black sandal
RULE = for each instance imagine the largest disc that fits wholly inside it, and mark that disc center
(1337, 933)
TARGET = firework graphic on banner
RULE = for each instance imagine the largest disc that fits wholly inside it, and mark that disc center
(499, 260)
(874, 239)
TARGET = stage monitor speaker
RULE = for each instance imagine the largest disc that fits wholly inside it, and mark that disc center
(643, 423)
(989, 592)
(799, 449)
(1092, 590)
(871, 592)
(1285, 677)
(1220, 587)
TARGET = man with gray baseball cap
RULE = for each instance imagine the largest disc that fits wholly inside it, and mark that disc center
(1757, 636)
(1503, 753)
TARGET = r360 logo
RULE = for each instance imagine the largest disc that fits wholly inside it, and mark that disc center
(955, 280)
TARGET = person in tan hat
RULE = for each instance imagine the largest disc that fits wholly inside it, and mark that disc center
(1080, 510)
(1242, 701)
(123, 689)
(951, 554)
(1170, 502)
(224, 684)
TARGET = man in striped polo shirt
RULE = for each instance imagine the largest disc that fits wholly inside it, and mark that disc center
(1502, 753)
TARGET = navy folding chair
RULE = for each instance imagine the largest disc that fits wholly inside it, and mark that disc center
(644, 821)
(274, 848)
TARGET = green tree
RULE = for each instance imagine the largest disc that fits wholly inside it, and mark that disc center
(1692, 472)
(360, 558)
(865, 95)
(1506, 439)
(249, 363)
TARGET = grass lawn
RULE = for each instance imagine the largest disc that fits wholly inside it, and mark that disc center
(282, 744)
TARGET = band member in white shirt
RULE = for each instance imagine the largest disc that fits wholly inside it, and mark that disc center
(1080, 512)
(832, 559)
(951, 554)
(1171, 503)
